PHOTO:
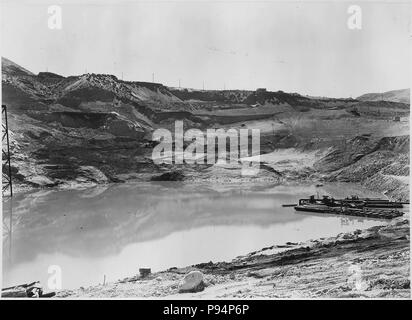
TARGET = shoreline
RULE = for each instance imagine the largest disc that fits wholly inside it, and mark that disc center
(370, 263)
(21, 189)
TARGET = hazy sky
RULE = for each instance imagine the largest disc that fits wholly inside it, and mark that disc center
(303, 47)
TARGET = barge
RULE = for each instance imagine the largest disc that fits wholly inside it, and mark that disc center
(364, 212)
(354, 202)
(353, 206)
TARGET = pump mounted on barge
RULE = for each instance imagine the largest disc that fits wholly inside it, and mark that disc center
(353, 206)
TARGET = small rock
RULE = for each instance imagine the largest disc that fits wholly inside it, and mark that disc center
(192, 282)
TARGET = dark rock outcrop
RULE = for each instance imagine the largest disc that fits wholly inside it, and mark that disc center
(169, 176)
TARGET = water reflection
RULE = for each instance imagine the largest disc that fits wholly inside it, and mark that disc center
(7, 231)
(113, 230)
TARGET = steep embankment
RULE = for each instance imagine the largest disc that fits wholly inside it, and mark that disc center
(80, 129)
(382, 164)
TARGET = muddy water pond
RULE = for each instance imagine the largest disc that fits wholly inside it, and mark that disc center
(111, 231)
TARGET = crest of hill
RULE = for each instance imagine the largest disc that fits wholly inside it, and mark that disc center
(52, 87)
(11, 68)
(402, 95)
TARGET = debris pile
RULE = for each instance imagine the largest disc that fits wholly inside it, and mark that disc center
(29, 290)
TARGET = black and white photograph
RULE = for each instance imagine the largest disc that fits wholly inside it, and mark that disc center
(205, 150)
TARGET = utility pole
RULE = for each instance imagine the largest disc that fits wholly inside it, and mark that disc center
(6, 178)
(179, 83)
(153, 77)
(203, 85)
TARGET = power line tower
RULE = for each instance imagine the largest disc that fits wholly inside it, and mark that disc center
(6, 164)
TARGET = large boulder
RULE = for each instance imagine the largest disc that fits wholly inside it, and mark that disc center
(192, 282)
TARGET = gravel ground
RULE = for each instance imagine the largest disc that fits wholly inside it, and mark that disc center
(373, 263)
